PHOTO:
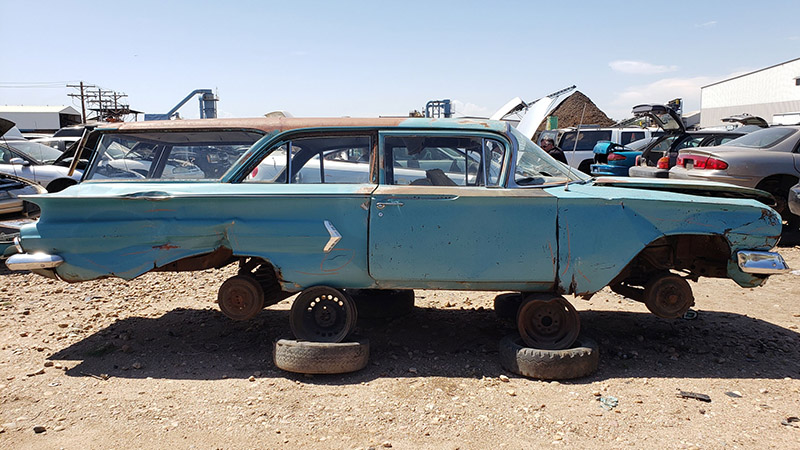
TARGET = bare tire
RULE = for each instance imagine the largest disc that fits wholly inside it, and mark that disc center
(382, 303)
(507, 305)
(577, 361)
(240, 297)
(321, 357)
(668, 296)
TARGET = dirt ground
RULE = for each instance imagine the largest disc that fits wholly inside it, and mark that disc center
(152, 363)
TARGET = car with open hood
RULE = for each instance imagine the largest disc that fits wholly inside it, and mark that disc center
(499, 215)
(657, 158)
(766, 159)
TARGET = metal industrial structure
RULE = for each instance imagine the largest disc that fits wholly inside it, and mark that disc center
(767, 92)
(208, 106)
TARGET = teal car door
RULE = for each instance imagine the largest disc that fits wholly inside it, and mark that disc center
(440, 219)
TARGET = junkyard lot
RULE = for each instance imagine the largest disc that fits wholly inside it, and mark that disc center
(180, 374)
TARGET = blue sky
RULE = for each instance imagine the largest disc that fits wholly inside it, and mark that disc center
(369, 58)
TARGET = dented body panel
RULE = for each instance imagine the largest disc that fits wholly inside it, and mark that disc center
(501, 230)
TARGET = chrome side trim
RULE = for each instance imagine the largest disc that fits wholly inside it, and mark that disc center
(761, 262)
(18, 244)
(335, 237)
(24, 261)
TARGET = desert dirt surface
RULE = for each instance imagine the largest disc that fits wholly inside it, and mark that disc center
(152, 363)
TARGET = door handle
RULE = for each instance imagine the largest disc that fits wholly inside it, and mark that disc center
(381, 205)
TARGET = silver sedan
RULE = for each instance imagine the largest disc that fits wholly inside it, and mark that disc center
(766, 159)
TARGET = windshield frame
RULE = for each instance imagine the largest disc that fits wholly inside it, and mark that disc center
(530, 158)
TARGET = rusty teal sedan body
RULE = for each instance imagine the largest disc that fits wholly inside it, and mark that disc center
(398, 204)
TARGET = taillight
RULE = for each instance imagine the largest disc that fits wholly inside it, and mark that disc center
(254, 172)
(679, 162)
(700, 162)
(716, 164)
(616, 157)
(663, 162)
(638, 159)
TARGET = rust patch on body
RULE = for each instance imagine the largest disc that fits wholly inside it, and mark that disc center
(165, 247)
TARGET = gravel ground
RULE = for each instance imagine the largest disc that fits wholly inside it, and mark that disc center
(152, 363)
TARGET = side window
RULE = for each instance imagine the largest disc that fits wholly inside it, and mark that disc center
(630, 136)
(443, 160)
(586, 139)
(316, 160)
(184, 155)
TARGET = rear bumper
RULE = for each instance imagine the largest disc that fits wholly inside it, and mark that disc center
(600, 170)
(763, 263)
(25, 261)
(648, 172)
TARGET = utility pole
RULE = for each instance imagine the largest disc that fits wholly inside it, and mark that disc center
(82, 96)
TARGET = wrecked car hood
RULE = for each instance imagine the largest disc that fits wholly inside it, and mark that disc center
(694, 187)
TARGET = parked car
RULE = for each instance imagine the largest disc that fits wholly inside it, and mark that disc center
(519, 226)
(59, 143)
(36, 162)
(11, 188)
(656, 160)
(767, 159)
(581, 155)
(612, 159)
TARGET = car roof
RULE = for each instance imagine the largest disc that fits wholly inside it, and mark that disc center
(279, 124)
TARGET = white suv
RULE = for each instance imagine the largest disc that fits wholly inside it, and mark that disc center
(583, 156)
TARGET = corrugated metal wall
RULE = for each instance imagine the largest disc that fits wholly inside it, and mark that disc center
(762, 93)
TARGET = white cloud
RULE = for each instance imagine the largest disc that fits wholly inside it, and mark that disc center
(708, 24)
(470, 109)
(660, 91)
(640, 67)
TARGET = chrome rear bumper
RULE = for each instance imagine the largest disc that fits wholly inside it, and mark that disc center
(24, 261)
(761, 262)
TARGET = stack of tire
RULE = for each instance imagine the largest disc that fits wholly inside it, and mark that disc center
(579, 360)
(305, 356)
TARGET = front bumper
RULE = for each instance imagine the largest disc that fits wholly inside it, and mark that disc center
(25, 261)
(762, 263)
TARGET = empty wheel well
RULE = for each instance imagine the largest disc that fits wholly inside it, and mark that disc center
(777, 181)
(694, 255)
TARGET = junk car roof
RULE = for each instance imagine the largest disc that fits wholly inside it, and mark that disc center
(272, 124)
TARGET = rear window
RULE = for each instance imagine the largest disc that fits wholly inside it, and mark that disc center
(765, 138)
(586, 139)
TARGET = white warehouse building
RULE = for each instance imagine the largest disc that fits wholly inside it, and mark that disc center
(40, 119)
(772, 93)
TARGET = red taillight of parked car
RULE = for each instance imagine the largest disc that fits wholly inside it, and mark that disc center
(616, 157)
(702, 162)
(663, 162)
(254, 172)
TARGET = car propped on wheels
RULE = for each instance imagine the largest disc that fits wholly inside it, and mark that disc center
(502, 215)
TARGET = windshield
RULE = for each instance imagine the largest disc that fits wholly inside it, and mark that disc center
(37, 152)
(535, 167)
(169, 155)
(765, 138)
